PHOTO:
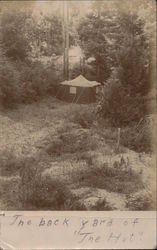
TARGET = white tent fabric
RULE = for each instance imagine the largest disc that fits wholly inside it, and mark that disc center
(81, 81)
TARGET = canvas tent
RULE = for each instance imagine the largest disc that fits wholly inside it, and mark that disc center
(78, 90)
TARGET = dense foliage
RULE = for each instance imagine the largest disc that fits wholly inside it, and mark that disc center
(92, 32)
(46, 35)
(24, 39)
(9, 80)
(121, 50)
(14, 38)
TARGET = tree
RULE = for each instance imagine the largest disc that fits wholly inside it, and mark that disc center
(13, 34)
(45, 35)
(125, 101)
(131, 55)
(95, 43)
(53, 34)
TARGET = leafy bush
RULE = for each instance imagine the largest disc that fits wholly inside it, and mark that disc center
(123, 110)
(9, 80)
(120, 108)
(25, 83)
(36, 81)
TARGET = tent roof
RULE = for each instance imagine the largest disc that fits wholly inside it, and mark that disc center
(81, 81)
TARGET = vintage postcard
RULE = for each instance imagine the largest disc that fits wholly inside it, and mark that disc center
(77, 124)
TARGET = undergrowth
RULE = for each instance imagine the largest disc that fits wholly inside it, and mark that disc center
(112, 179)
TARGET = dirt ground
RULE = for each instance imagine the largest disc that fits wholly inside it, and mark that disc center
(27, 130)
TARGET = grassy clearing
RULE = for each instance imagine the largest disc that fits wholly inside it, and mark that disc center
(61, 137)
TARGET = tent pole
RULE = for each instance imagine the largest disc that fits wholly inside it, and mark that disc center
(63, 27)
(66, 38)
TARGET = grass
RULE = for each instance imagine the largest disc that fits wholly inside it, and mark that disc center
(110, 178)
(49, 194)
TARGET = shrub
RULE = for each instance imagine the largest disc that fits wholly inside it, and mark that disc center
(9, 163)
(139, 139)
(43, 192)
(25, 82)
(36, 81)
(9, 80)
(30, 190)
(120, 108)
(55, 146)
(102, 205)
(84, 117)
(139, 201)
(70, 140)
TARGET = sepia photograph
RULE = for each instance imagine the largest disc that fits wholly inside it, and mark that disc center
(78, 105)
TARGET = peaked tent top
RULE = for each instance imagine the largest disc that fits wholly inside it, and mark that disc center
(81, 81)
